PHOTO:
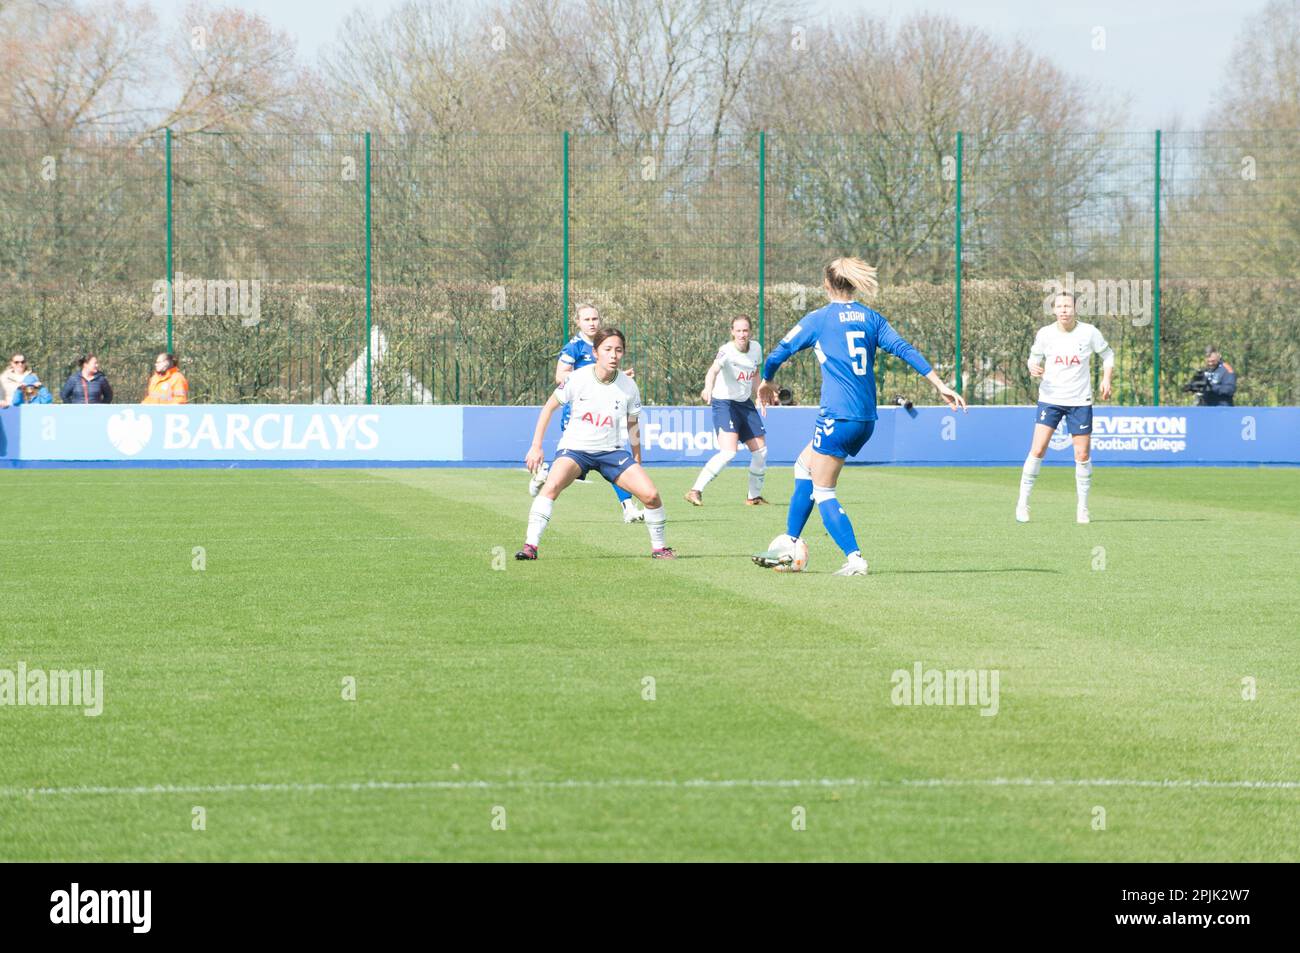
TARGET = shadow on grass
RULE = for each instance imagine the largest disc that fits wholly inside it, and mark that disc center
(734, 558)
(646, 556)
(1158, 519)
(682, 521)
(915, 572)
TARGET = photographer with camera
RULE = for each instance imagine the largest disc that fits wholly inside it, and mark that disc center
(1215, 383)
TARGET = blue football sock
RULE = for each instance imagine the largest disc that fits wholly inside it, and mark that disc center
(838, 525)
(622, 494)
(801, 507)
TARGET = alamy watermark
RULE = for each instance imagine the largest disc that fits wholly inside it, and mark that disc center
(936, 686)
(74, 688)
(77, 905)
(1120, 297)
(210, 297)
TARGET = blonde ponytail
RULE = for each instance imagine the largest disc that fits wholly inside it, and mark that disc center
(852, 275)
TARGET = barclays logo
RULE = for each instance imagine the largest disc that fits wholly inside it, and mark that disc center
(129, 432)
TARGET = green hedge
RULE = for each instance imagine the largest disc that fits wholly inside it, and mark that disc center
(474, 343)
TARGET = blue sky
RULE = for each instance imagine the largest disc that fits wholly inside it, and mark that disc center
(1168, 56)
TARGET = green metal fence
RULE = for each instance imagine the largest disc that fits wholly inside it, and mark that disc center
(351, 267)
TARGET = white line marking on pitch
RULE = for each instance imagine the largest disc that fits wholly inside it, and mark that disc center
(597, 784)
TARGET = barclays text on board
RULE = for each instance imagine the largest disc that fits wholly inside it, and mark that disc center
(495, 436)
(324, 432)
(286, 433)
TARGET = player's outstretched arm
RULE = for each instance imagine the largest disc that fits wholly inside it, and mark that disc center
(802, 335)
(950, 396)
(893, 342)
(535, 454)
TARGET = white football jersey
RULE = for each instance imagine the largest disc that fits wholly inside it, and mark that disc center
(598, 412)
(1067, 361)
(735, 380)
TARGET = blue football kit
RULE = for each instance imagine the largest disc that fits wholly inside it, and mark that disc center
(845, 336)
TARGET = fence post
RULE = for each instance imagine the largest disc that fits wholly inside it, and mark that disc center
(1155, 296)
(957, 290)
(369, 390)
(171, 290)
(762, 238)
(565, 333)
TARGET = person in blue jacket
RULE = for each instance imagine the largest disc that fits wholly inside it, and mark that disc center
(87, 385)
(30, 391)
(1220, 380)
(844, 335)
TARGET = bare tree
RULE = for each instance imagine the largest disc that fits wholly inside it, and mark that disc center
(411, 71)
(67, 66)
(636, 70)
(1233, 193)
(637, 62)
(235, 73)
(64, 66)
(734, 33)
(1261, 85)
(865, 151)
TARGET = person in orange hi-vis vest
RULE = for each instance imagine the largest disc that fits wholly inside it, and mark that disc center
(167, 385)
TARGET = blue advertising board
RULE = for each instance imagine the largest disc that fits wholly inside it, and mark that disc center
(335, 435)
(239, 433)
(936, 435)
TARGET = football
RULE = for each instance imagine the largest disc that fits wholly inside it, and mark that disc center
(792, 554)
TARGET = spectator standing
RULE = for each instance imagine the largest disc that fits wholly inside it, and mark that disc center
(11, 378)
(167, 385)
(87, 385)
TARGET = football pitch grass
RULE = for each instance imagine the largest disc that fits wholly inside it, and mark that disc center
(600, 705)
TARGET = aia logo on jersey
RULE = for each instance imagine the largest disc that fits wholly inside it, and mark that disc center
(747, 375)
(596, 420)
(1067, 361)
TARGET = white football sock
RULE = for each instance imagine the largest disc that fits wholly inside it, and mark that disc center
(713, 468)
(757, 470)
(1083, 481)
(539, 514)
(654, 521)
(1027, 477)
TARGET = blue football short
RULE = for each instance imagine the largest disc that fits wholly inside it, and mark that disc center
(841, 438)
(610, 464)
(740, 417)
(1078, 420)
